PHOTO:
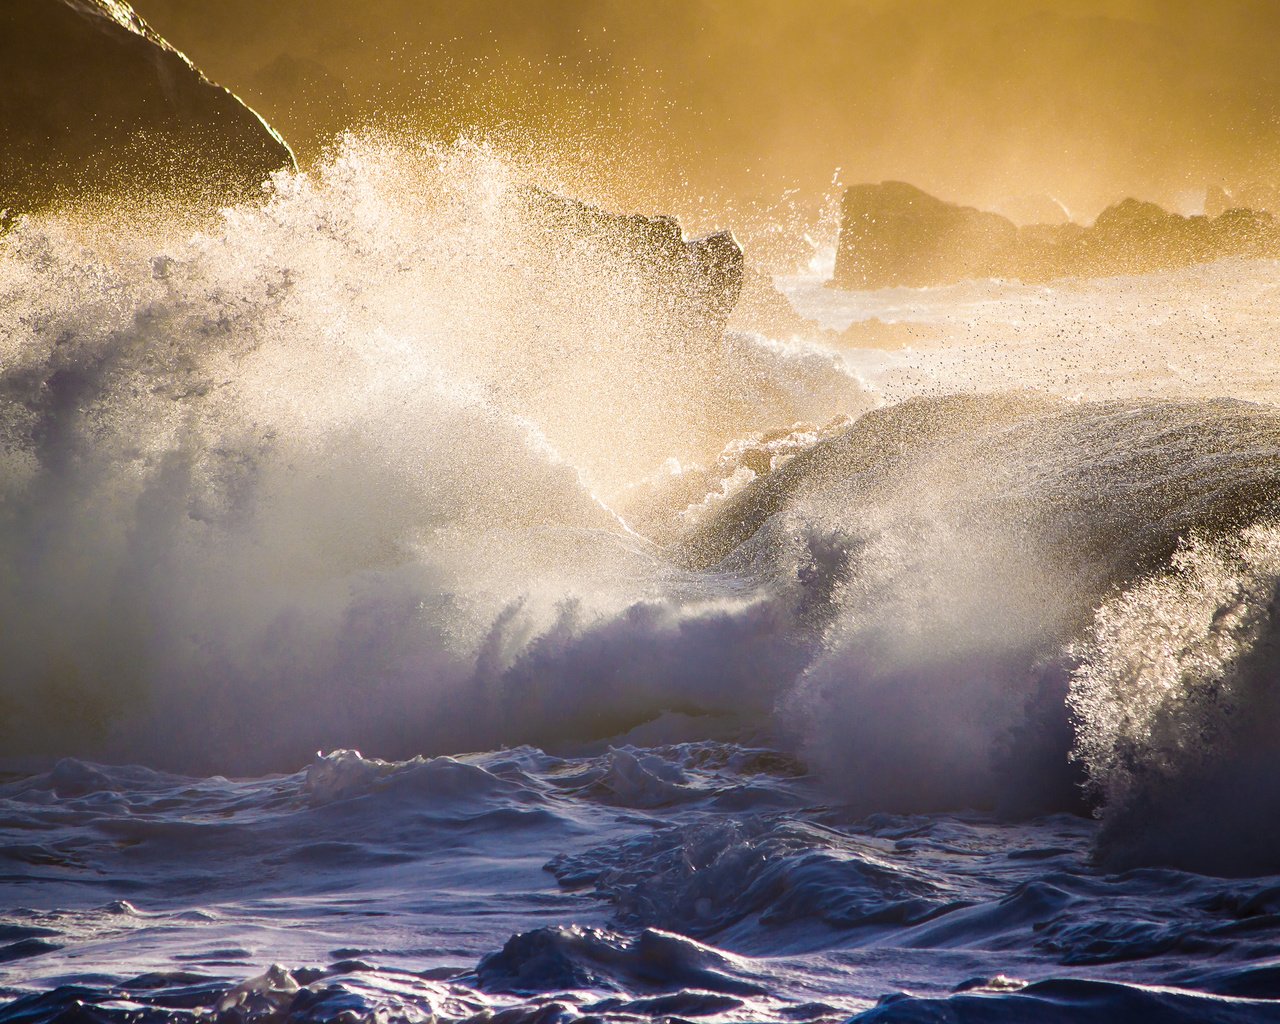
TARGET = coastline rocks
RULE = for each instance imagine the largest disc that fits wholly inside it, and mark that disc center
(894, 235)
(897, 234)
(1135, 237)
(93, 102)
(691, 286)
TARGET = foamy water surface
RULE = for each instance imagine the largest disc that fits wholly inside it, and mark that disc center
(758, 678)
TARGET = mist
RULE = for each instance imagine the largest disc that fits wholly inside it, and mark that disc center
(705, 108)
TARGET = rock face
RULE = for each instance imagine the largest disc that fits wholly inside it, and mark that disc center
(894, 235)
(693, 284)
(93, 102)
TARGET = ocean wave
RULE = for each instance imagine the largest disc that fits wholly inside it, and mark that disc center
(706, 878)
(698, 880)
(318, 474)
(1176, 707)
(1000, 1000)
(979, 535)
(389, 462)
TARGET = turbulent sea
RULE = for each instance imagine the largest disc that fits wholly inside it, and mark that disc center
(748, 678)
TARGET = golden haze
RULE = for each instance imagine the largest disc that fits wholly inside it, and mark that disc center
(718, 104)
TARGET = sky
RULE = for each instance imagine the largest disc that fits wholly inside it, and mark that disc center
(702, 105)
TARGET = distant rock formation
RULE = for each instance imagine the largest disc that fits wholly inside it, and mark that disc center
(93, 102)
(693, 285)
(895, 235)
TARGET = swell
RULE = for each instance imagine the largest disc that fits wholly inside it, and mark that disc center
(1178, 709)
(719, 885)
(391, 462)
(971, 540)
(346, 469)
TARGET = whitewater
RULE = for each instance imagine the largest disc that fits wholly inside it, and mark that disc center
(407, 615)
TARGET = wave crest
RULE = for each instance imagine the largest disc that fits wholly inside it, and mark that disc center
(1176, 709)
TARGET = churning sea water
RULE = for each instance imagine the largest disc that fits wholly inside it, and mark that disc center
(765, 679)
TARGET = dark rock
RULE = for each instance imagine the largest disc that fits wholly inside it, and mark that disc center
(692, 286)
(1134, 237)
(1138, 235)
(93, 102)
(895, 235)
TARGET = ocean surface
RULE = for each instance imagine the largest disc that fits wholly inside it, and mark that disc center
(748, 678)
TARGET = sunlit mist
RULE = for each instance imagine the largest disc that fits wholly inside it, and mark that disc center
(636, 511)
(990, 103)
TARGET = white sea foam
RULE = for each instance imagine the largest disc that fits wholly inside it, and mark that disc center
(392, 461)
(338, 471)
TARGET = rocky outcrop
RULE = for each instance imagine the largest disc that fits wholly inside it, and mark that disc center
(894, 235)
(93, 102)
(1136, 237)
(692, 285)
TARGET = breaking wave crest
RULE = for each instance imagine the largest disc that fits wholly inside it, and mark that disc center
(346, 469)
(1176, 705)
(396, 461)
(980, 535)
